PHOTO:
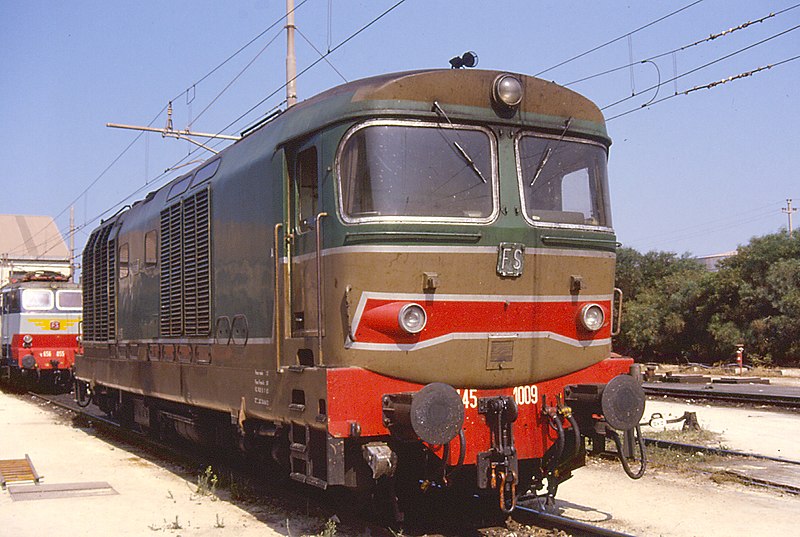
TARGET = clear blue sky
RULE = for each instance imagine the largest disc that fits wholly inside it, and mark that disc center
(699, 173)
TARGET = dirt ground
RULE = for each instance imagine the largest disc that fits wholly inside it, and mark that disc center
(163, 500)
(669, 503)
(151, 500)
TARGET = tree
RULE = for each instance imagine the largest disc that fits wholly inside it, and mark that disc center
(675, 309)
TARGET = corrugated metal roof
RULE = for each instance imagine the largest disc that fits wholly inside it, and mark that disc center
(25, 237)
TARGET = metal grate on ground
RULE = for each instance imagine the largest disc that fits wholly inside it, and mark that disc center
(17, 471)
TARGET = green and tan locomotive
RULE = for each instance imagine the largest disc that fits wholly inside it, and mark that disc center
(401, 276)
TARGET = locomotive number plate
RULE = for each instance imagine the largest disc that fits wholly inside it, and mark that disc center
(510, 259)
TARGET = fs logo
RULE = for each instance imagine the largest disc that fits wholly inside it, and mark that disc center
(510, 259)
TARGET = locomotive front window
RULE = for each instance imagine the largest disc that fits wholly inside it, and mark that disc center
(37, 299)
(420, 171)
(563, 181)
(69, 300)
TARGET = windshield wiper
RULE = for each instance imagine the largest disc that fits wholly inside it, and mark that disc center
(461, 150)
(469, 161)
(548, 152)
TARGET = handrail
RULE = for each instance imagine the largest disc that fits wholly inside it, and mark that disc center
(320, 216)
(276, 292)
(616, 332)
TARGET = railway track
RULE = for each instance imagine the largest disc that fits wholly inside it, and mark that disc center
(793, 465)
(785, 397)
(538, 520)
(576, 527)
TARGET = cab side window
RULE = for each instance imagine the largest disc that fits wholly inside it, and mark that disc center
(307, 188)
(151, 248)
(124, 261)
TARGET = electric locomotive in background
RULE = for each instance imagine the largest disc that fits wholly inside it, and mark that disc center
(398, 278)
(40, 315)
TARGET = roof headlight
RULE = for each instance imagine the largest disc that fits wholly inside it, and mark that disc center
(412, 318)
(507, 90)
(592, 317)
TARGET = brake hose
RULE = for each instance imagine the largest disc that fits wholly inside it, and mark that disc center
(80, 394)
(576, 433)
(625, 466)
(556, 423)
(462, 452)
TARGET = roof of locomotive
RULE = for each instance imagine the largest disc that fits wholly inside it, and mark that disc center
(464, 94)
(39, 284)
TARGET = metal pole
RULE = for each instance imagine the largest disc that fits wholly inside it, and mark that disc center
(291, 61)
(789, 210)
(72, 243)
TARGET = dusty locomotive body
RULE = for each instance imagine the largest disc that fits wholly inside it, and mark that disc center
(401, 272)
(40, 316)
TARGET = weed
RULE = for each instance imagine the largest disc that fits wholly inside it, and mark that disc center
(688, 436)
(220, 523)
(207, 483)
(330, 527)
(174, 525)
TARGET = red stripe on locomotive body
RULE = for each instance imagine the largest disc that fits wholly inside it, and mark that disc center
(450, 317)
(355, 396)
(46, 348)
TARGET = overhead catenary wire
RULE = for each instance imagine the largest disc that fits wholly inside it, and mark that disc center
(709, 85)
(705, 65)
(307, 40)
(624, 36)
(710, 38)
(227, 86)
(742, 215)
(313, 64)
(191, 88)
(704, 232)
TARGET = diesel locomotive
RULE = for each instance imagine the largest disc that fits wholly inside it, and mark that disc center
(40, 316)
(404, 279)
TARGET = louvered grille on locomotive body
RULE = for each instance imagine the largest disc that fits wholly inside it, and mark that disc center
(185, 292)
(100, 286)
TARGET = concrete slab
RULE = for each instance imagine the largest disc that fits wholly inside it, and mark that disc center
(151, 498)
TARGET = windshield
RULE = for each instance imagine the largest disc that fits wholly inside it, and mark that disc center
(37, 299)
(69, 300)
(417, 171)
(563, 181)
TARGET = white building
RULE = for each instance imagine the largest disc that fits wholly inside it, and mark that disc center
(710, 262)
(31, 243)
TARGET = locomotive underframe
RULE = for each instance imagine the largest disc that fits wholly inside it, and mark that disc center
(318, 433)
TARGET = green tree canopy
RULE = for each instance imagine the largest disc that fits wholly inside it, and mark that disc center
(674, 309)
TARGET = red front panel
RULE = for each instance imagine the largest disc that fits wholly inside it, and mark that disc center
(377, 321)
(47, 348)
(355, 395)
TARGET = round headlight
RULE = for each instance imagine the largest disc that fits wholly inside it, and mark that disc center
(412, 318)
(508, 90)
(27, 339)
(78, 340)
(592, 317)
